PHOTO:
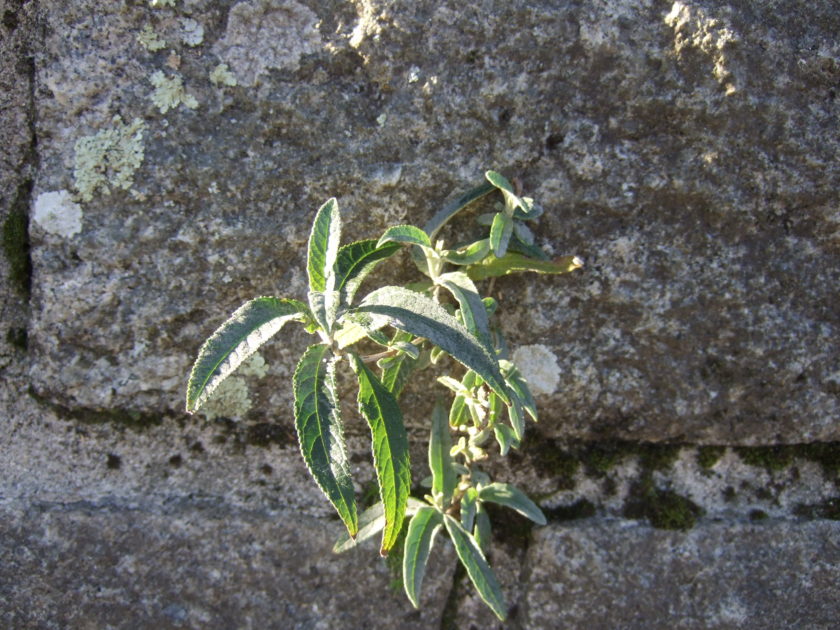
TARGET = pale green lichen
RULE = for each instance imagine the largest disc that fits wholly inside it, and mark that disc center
(170, 92)
(221, 75)
(192, 33)
(108, 158)
(150, 40)
(231, 399)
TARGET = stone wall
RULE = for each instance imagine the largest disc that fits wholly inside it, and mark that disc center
(162, 164)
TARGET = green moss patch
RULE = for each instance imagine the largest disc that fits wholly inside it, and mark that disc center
(15, 237)
(664, 509)
(708, 456)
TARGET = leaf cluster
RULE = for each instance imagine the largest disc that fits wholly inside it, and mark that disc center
(443, 316)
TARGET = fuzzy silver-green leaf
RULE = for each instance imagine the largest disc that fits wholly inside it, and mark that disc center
(480, 573)
(323, 247)
(250, 326)
(421, 316)
(512, 497)
(422, 529)
(320, 431)
(355, 261)
(404, 234)
(444, 477)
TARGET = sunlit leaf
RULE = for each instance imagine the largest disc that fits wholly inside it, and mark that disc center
(355, 261)
(320, 433)
(250, 326)
(512, 497)
(421, 316)
(323, 247)
(422, 529)
(390, 448)
(454, 207)
(404, 234)
(492, 266)
(500, 233)
(480, 573)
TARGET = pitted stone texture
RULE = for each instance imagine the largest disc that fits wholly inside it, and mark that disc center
(604, 575)
(195, 566)
(686, 151)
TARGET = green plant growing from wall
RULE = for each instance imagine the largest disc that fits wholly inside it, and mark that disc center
(415, 329)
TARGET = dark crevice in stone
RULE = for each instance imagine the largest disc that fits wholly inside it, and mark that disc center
(126, 418)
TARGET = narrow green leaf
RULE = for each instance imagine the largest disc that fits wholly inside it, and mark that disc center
(500, 233)
(323, 247)
(517, 420)
(458, 412)
(324, 305)
(421, 316)
(444, 478)
(250, 326)
(515, 380)
(419, 539)
(395, 376)
(355, 261)
(523, 232)
(483, 531)
(404, 234)
(512, 200)
(371, 522)
(481, 575)
(492, 266)
(468, 254)
(319, 430)
(512, 497)
(473, 310)
(469, 504)
(505, 437)
(390, 448)
(517, 246)
(408, 348)
(454, 207)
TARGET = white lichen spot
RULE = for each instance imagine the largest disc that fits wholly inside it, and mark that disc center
(539, 367)
(381, 119)
(221, 75)
(108, 158)
(56, 213)
(267, 34)
(192, 33)
(414, 74)
(229, 400)
(694, 29)
(150, 40)
(170, 92)
(254, 366)
(161, 3)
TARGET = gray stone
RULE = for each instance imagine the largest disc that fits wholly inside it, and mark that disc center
(778, 574)
(194, 565)
(685, 150)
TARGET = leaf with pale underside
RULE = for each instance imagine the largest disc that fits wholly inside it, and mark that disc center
(421, 316)
(371, 522)
(250, 326)
(473, 311)
(500, 233)
(454, 207)
(492, 266)
(480, 573)
(406, 234)
(469, 254)
(390, 448)
(320, 431)
(422, 529)
(323, 247)
(512, 497)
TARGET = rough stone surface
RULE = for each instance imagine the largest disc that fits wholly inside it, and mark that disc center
(613, 575)
(686, 150)
(193, 566)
